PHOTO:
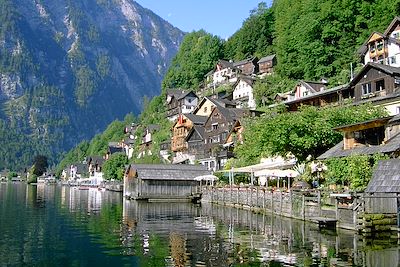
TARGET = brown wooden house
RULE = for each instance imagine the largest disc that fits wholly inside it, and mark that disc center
(217, 127)
(181, 128)
(195, 142)
(247, 66)
(380, 135)
(180, 102)
(379, 84)
(266, 65)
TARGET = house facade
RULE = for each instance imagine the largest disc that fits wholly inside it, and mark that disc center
(247, 66)
(378, 84)
(180, 130)
(205, 106)
(383, 48)
(195, 142)
(380, 135)
(180, 102)
(243, 93)
(266, 65)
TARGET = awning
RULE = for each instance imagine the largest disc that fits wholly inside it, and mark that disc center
(276, 173)
(209, 177)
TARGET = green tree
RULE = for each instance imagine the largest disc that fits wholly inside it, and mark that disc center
(254, 38)
(114, 167)
(354, 171)
(197, 55)
(40, 165)
(307, 132)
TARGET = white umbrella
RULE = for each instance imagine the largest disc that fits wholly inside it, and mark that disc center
(208, 177)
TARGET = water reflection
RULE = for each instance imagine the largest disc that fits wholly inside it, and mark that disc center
(62, 226)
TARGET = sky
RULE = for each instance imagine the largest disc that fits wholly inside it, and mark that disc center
(219, 17)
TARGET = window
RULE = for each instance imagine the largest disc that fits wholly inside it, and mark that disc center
(366, 88)
(396, 35)
(205, 109)
(372, 48)
(398, 110)
(214, 126)
(392, 60)
(379, 45)
(380, 85)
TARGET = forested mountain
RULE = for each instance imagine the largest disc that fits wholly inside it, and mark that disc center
(69, 68)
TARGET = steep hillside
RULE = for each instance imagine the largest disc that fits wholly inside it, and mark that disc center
(69, 68)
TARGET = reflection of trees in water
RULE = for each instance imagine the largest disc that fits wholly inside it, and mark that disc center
(178, 249)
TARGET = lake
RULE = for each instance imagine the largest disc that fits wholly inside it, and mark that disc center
(50, 225)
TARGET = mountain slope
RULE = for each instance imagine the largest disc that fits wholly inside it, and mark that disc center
(69, 68)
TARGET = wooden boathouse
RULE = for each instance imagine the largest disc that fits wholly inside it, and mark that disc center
(156, 182)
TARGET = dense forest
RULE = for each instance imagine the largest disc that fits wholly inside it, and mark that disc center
(312, 39)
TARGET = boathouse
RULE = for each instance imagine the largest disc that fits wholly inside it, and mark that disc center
(158, 181)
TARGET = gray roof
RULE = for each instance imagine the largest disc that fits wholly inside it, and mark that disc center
(394, 71)
(199, 129)
(320, 93)
(244, 61)
(337, 151)
(386, 177)
(267, 58)
(169, 172)
(196, 119)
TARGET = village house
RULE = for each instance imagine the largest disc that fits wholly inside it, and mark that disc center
(247, 66)
(180, 102)
(95, 164)
(128, 142)
(205, 106)
(266, 65)
(180, 130)
(147, 140)
(332, 96)
(243, 93)
(223, 72)
(366, 138)
(383, 48)
(114, 147)
(195, 142)
(217, 128)
(378, 84)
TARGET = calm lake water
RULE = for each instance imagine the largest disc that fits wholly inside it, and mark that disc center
(62, 226)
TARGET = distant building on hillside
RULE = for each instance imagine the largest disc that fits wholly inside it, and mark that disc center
(383, 48)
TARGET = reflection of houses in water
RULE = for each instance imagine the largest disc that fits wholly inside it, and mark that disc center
(94, 199)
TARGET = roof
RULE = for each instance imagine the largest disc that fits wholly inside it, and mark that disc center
(199, 129)
(337, 151)
(185, 94)
(389, 29)
(386, 177)
(249, 80)
(244, 61)
(196, 119)
(320, 93)
(174, 92)
(169, 172)
(96, 159)
(384, 68)
(114, 149)
(267, 58)
(225, 63)
(220, 102)
(153, 127)
(378, 121)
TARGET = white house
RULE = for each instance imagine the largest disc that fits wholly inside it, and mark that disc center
(383, 48)
(243, 93)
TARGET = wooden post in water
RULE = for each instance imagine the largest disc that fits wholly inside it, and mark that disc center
(319, 204)
(303, 207)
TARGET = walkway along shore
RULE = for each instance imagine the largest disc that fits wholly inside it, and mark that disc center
(353, 212)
